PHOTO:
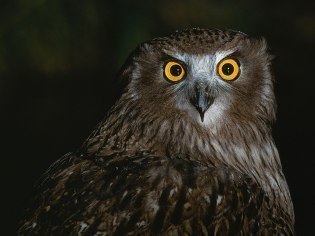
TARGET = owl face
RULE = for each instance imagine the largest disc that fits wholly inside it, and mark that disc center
(207, 76)
(204, 79)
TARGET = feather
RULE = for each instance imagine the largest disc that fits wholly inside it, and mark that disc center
(153, 167)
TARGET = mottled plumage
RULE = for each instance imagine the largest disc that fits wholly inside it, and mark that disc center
(190, 157)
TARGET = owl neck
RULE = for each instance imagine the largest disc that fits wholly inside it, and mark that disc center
(247, 147)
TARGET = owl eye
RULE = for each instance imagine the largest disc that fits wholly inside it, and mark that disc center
(174, 72)
(229, 69)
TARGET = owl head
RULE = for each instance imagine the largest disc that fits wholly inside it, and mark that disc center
(206, 76)
(198, 94)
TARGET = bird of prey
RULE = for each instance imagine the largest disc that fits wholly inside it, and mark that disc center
(187, 149)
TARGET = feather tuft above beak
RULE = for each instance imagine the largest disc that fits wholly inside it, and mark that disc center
(201, 98)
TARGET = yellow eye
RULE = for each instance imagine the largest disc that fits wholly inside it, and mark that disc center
(173, 71)
(228, 69)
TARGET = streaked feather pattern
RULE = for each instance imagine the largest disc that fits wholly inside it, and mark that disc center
(153, 167)
(150, 195)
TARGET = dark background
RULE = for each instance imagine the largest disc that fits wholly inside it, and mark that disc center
(58, 60)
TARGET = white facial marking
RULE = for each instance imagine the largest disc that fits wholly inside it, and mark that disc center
(219, 55)
(203, 67)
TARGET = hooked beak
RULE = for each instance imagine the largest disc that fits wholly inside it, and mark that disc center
(201, 98)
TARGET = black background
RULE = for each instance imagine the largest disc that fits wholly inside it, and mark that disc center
(58, 60)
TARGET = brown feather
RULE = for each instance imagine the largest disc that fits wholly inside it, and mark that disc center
(153, 167)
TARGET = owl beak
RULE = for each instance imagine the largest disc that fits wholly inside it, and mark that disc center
(201, 98)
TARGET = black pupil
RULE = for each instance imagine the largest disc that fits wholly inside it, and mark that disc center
(227, 69)
(176, 70)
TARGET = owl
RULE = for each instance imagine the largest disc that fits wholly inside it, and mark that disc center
(187, 149)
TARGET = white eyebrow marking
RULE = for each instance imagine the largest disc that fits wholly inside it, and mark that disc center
(179, 56)
(219, 55)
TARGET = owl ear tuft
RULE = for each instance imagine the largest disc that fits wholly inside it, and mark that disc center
(124, 74)
(262, 49)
